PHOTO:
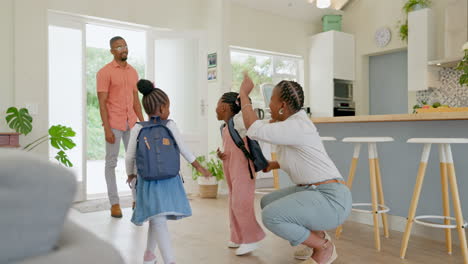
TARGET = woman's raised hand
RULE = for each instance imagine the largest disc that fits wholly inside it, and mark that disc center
(247, 85)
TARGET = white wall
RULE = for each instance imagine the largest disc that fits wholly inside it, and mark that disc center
(214, 21)
(260, 30)
(6, 68)
(362, 18)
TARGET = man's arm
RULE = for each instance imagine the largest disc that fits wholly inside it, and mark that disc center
(137, 106)
(102, 97)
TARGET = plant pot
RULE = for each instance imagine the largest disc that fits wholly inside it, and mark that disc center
(208, 191)
(208, 188)
(9, 140)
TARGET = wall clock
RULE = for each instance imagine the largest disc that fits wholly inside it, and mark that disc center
(382, 37)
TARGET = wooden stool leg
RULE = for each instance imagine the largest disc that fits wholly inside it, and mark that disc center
(456, 202)
(373, 187)
(275, 173)
(445, 197)
(349, 183)
(415, 199)
(380, 191)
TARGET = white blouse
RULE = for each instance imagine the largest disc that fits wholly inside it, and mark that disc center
(239, 124)
(299, 148)
(132, 146)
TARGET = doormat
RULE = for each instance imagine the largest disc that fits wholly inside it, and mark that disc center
(97, 205)
(103, 204)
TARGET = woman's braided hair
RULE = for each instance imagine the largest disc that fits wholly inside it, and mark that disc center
(291, 92)
(153, 98)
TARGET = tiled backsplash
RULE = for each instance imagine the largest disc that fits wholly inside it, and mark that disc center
(450, 92)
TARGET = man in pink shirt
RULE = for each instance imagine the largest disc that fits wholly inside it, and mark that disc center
(120, 107)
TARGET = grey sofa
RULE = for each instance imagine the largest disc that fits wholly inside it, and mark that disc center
(35, 196)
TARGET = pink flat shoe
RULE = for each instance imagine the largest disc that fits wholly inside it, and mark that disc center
(149, 258)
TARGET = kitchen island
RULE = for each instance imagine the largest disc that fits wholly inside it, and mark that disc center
(399, 160)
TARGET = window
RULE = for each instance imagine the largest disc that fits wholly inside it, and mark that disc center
(264, 68)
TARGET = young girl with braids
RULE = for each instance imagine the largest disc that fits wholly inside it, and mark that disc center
(245, 230)
(157, 201)
(319, 200)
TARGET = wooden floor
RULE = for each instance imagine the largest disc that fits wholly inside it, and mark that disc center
(202, 238)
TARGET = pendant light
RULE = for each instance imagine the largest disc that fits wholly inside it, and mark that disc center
(323, 3)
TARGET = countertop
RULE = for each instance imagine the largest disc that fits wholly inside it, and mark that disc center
(393, 118)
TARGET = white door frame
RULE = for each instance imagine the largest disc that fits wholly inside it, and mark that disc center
(61, 20)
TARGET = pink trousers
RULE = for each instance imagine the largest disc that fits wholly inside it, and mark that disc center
(244, 226)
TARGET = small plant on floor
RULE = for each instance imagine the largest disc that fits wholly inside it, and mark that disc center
(58, 135)
(212, 163)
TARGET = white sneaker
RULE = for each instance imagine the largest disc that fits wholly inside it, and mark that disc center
(246, 248)
(232, 245)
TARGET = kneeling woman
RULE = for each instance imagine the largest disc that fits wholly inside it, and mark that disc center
(320, 200)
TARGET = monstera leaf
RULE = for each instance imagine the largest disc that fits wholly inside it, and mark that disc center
(63, 158)
(19, 120)
(60, 137)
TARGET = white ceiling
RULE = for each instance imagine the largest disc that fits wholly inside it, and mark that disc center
(295, 9)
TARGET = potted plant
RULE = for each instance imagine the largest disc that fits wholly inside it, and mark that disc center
(58, 135)
(411, 5)
(403, 31)
(463, 66)
(208, 187)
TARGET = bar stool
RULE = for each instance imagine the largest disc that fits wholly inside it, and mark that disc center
(448, 178)
(377, 196)
(328, 138)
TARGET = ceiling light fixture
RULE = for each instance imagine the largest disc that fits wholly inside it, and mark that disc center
(323, 3)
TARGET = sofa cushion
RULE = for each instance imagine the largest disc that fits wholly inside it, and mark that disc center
(77, 246)
(35, 196)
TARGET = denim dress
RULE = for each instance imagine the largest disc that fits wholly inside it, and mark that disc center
(160, 197)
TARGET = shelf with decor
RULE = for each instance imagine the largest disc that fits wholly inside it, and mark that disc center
(9, 140)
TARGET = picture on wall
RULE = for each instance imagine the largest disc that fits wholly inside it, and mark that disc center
(212, 60)
(212, 69)
(212, 74)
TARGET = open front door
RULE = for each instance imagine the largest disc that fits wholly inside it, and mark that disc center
(180, 70)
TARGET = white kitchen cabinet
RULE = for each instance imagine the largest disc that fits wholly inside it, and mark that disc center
(343, 56)
(421, 48)
(331, 56)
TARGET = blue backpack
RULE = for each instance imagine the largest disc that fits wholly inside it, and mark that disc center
(157, 155)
